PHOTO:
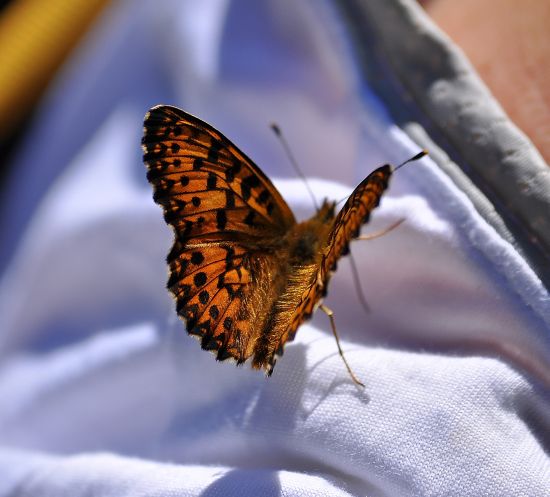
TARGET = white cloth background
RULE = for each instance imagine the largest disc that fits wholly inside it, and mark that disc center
(103, 393)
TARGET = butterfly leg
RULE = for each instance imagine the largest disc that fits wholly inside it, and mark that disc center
(380, 233)
(330, 315)
(357, 283)
(354, 272)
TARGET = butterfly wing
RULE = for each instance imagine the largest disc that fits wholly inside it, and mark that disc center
(354, 214)
(226, 215)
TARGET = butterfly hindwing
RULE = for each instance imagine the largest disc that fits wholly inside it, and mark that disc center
(205, 286)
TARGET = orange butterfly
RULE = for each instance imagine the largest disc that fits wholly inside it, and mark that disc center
(243, 272)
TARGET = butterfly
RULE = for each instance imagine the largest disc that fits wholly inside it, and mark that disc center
(243, 272)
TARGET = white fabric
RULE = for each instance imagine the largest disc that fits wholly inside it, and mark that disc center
(102, 391)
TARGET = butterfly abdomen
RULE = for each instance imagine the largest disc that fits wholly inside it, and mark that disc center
(283, 313)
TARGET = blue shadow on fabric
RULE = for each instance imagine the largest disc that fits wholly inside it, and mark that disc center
(245, 482)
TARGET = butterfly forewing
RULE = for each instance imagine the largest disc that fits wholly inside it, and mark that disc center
(225, 214)
(354, 214)
(200, 177)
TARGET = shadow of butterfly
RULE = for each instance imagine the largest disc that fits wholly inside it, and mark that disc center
(245, 275)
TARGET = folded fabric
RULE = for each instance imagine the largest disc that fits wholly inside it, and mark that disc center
(102, 390)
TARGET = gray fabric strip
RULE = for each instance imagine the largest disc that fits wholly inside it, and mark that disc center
(436, 96)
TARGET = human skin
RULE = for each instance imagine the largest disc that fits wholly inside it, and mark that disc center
(508, 42)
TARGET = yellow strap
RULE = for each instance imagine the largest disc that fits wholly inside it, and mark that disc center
(35, 38)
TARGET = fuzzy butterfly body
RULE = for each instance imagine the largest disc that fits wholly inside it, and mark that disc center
(243, 272)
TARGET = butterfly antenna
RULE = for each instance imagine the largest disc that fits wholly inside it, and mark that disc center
(292, 160)
(342, 200)
(419, 155)
(357, 284)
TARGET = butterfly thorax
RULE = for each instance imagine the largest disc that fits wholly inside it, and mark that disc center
(306, 239)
